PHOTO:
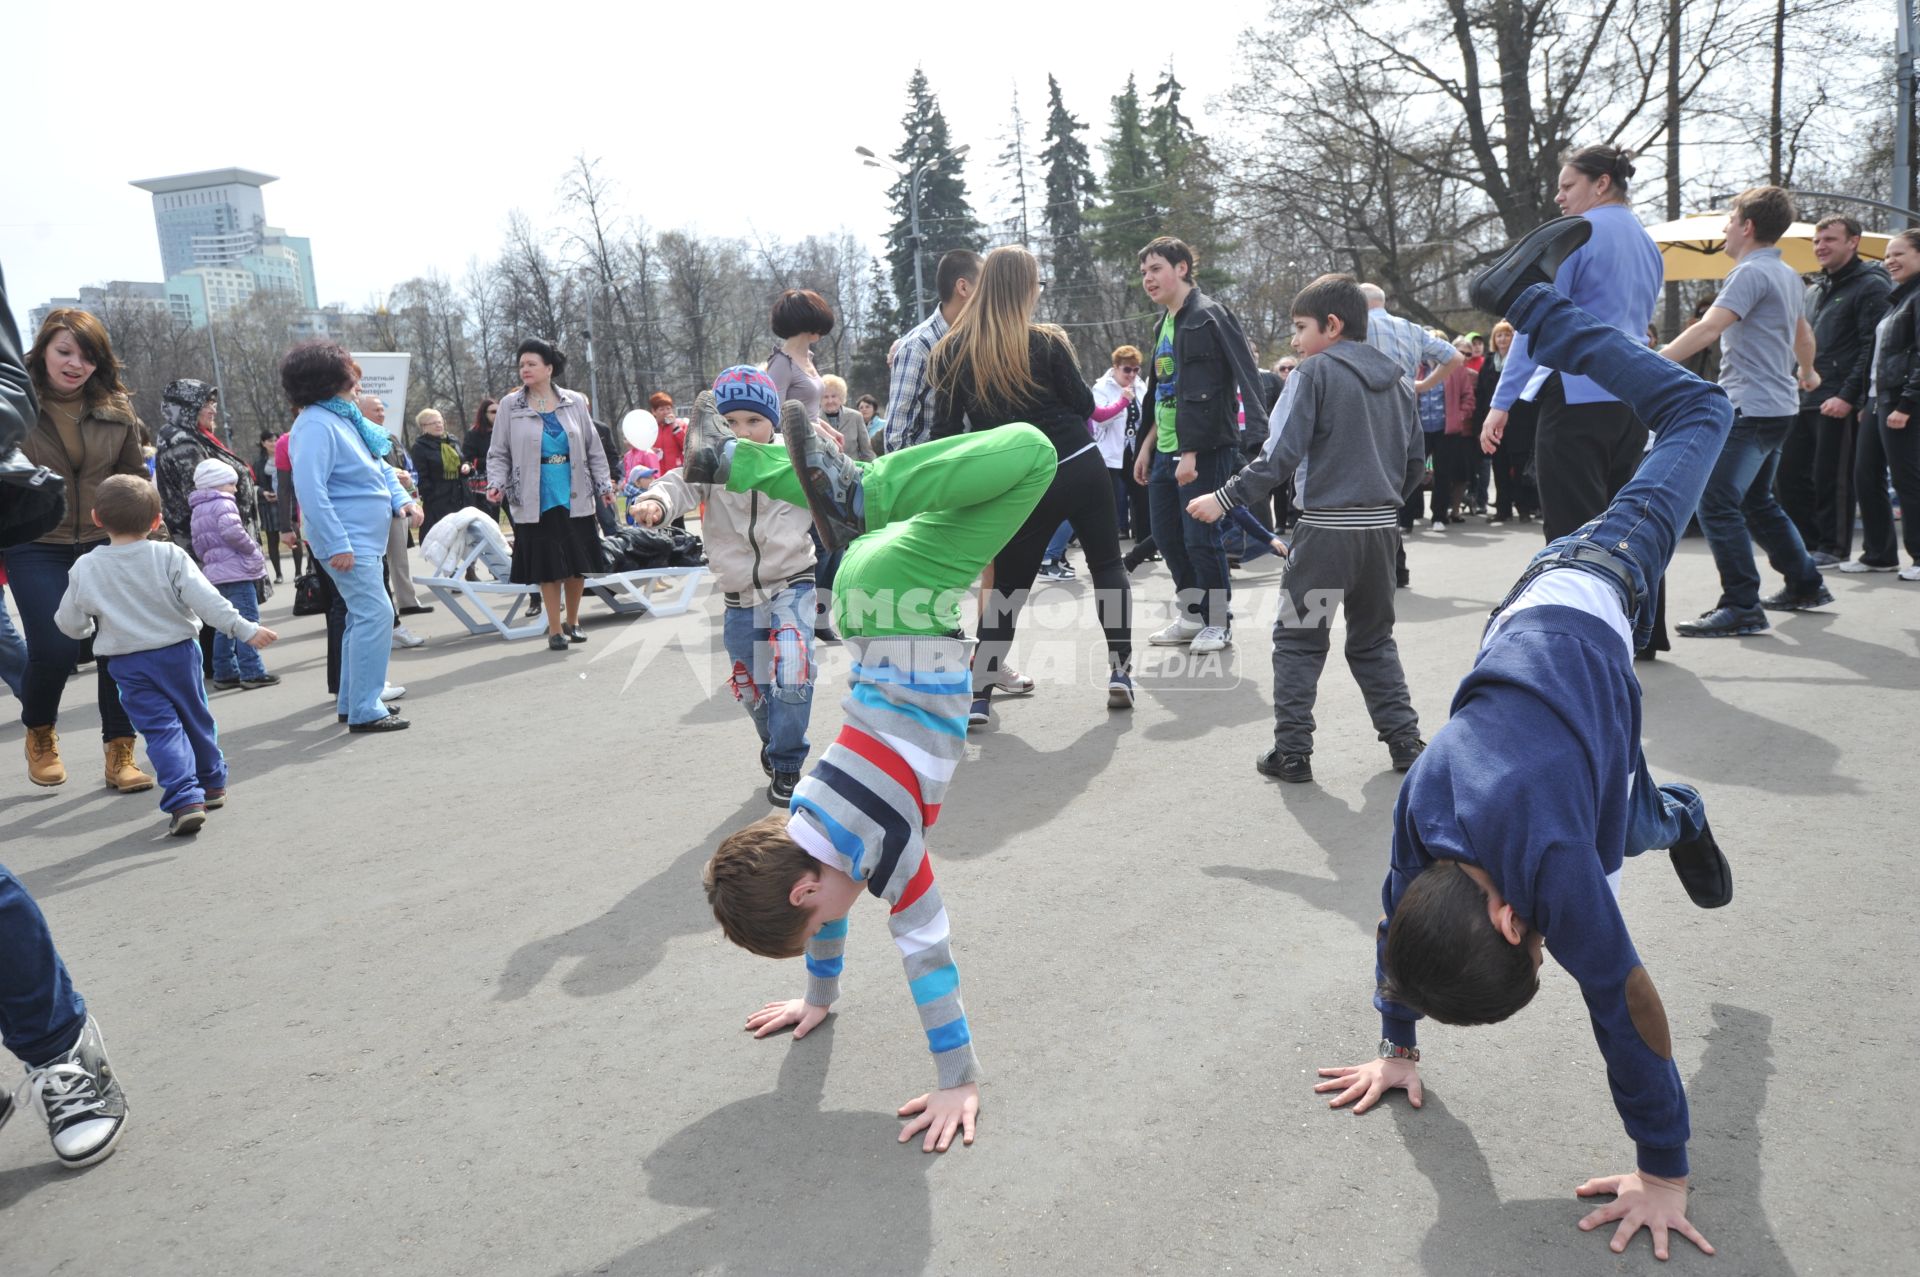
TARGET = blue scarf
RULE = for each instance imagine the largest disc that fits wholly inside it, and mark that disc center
(378, 441)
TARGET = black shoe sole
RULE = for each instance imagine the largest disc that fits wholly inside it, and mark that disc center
(420, 609)
(1533, 259)
(1703, 870)
(1272, 771)
(391, 723)
(1795, 605)
(837, 528)
(707, 436)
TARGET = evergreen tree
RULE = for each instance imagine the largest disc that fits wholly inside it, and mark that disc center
(1132, 213)
(1190, 199)
(1013, 162)
(1070, 188)
(946, 218)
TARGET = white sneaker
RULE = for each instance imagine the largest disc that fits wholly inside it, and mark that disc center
(1214, 638)
(391, 692)
(1911, 572)
(404, 637)
(1855, 566)
(1178, 634)
(1438, 527)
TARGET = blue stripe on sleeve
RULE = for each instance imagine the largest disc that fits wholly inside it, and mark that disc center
(934, 985)
(835, 930)
(844, 840)
(948, 1036)
(868, 695)
(961, 681)
(825, 968)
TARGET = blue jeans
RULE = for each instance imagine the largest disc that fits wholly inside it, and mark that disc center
(771, 647)
(1194, 551)
(41, 1013)
(1057, 547)
(1737, 508)
(166, 698)
(13, 650)
(1630, 543)
(368, 639)
(233, 661)
(37, 575)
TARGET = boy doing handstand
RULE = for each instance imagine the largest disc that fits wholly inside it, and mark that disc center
(1511, 828)
(917, 527)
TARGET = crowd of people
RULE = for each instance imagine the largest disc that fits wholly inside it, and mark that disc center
(825, 521)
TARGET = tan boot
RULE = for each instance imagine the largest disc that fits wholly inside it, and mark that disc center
(43, 757)
(121, 773)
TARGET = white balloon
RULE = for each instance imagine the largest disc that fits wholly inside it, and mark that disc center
(640, 429)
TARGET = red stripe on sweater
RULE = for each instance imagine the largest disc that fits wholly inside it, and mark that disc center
(896, 767)
(917, 885)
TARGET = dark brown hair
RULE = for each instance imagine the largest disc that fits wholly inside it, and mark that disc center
(480, 421)
(955, 265)
(801, 310)
(1852, 225)
(1601, 160)
(550, 355)
(1445, 958)
(1769, 208)
(316, 370)
(1338, 296)
(1172, 251)
(91, 336)
(748, 883)
(126, 504)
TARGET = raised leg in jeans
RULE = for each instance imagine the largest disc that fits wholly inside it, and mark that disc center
(37, 574)
(41, 1013)
(13, 649)
(366, 643)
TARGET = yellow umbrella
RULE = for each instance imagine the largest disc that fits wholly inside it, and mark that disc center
(1693, 247)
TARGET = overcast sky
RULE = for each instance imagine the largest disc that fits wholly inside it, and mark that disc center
(403, 133)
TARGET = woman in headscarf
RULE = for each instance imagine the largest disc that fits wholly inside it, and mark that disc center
(186, 438)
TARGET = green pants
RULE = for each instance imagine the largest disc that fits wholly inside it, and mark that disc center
(936, 515)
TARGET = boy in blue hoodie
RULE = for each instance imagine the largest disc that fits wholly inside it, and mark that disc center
(1510, 830)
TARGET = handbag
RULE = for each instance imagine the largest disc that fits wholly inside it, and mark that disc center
(312, 591)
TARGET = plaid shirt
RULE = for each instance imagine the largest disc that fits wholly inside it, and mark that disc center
(909, 410)
(1406, 343)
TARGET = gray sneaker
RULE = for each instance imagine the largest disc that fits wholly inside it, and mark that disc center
(80, 1099)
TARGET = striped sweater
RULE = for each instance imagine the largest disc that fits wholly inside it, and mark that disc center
(865, 808)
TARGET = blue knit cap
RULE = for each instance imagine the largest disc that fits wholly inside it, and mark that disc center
(744, 387)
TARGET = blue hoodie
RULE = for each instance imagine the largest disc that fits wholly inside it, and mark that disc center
(1529, 780)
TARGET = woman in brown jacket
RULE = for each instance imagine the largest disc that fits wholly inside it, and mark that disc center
(86, 431)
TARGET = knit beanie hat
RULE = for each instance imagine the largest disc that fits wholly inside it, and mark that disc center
(745, 388)
(214, 473)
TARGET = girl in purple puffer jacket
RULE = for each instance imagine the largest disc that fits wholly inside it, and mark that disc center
(233, 561)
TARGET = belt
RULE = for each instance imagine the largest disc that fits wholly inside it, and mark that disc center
(556, 461)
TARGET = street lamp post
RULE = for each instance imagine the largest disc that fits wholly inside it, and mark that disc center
(913, 210)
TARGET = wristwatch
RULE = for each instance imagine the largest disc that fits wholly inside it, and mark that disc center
(1391, 1050)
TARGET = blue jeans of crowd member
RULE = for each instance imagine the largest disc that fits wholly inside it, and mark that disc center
(37, 574)
(1738, 508)
(1057, 548)
(368, 639)
(1194, 551)
(234, 661)
(41, 1013)
(1630, 543)
(13, 650)
(771, 647)
(166, 698)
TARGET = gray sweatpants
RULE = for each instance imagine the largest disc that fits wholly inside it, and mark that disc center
(1330, 568)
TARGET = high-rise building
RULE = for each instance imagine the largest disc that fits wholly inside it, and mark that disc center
(213, 230)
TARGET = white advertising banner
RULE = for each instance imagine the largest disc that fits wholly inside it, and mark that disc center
(384, 376)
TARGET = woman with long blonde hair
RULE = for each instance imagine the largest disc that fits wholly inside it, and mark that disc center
(995, 367)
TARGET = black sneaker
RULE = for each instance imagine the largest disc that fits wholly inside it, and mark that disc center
(225, 684)
(1534, 259)
(417, 609)
(1725, 622)
(832, 482)
(1703, 870)
(1056, 570)
(766, 760)
(391, 723)
(187, 820)
(265, 680)
(780, 789)
(1790, 600)
(80, 1099)
(1295, 769)
(1403, 752)
(708, 459)
(391, 710)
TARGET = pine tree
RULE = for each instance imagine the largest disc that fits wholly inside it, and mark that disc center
(1190, 200)
(1132, 213)
(1070, 188)
(946, 218)
(1013, 163)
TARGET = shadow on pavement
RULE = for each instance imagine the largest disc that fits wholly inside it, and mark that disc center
(620, 947)
(1001, 795)
(1718, 740)
(1354, 840)
(779, 1184)
(1477, 1233)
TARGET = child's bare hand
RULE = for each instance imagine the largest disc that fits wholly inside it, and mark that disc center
(647, 513)
(1641, 1201)
(1279, 547)
(775, 1016)
(262, 637)
(940, 1114)
(1369, 1082)
(1207, 509)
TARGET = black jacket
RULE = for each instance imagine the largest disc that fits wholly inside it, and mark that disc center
(1898, 372)
(1211, 359)
(437, 492)
(32, 498)
(1059, 404)
(1844, 308)
(180, 447)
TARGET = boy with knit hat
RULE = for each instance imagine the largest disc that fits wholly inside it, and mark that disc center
(762, 557)
(917, 527)
(232, 561)
(144, 601)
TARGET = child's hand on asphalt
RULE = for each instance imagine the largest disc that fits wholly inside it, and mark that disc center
(1370, 1081)
(1207, 509)
(775, 1016)
(940, 1114)
(262, 637)
(1641, 1201)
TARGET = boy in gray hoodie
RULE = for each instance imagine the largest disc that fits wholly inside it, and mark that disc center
(1347, 431)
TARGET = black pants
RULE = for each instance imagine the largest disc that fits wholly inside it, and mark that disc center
(1584, 454)
(1081, 494)
(1814, 481)
(1880, 448)
(1513, 464)
(1139, 518)
(1453, 470)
